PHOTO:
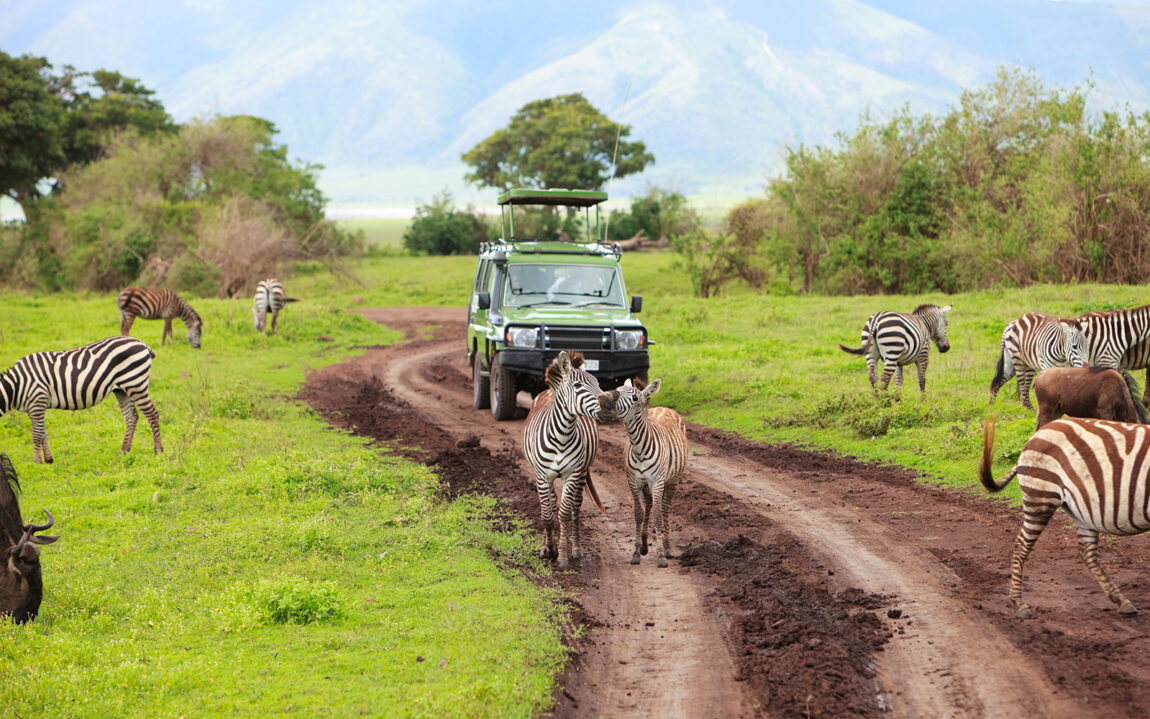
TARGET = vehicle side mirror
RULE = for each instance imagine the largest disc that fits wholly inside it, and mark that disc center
(636, 303)
(484, 300)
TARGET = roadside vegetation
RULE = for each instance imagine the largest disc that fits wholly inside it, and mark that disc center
(264, 563)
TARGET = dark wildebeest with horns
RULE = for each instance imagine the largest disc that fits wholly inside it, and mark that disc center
(21, 585)
(1090, 392)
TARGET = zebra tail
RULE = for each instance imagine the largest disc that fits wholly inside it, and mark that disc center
(860, 351)
(1135, 396)
(984, 464)
(1000, 373)
(594, 495)
(291, 299)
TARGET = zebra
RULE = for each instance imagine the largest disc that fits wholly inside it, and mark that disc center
(899, 339)
(559, 441)
(269, 298)
(1136, 357)
(1032, 343)
(153, 304)
(1113, 334)
(656, 460)
(1092, 468)
(78, 379)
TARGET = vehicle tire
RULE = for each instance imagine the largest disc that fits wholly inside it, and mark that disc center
(481, 385)
(502, 392)
(642, 375)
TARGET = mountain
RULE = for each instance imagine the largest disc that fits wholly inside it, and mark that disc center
(388, 95)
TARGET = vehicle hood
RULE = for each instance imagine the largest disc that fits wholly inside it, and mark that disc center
(590, 316)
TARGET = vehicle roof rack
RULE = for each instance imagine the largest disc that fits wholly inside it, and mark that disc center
(567, 198)
(556, 247)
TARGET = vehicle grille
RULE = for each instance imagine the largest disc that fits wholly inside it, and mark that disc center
(577, 338)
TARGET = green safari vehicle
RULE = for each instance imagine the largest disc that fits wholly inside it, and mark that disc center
(533, 298)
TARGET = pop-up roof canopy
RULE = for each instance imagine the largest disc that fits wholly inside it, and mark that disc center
(565, 198)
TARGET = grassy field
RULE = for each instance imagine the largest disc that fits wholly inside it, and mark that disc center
(263, 564)
(380, 233)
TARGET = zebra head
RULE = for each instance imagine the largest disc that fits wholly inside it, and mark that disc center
(194, 334)
(1073, 345)
(628, 401)
(575, 389)
(21, 583)
(935, 318)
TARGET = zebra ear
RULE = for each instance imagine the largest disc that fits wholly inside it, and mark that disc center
(564, 363)
(652, 389)
(948, 308)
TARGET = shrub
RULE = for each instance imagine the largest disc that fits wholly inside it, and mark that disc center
(440, 229)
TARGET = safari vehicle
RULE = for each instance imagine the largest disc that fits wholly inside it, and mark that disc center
(533, 298)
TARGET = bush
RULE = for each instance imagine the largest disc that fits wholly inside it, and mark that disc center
(440, 229)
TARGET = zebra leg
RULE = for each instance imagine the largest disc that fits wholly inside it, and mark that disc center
(144, 402)
(1146, 388)
(1088, 550)
(275, 321)
(1025, 379)
(871, 371)
(668, 493)
(566, 515)
(888, 370)
(898, 382)
(128, 409)
(646, 515)
(126, 319)
(1035, 519)
(547, 515)
(637, 507)
(658, 500)
(166, 338)
(922, 362)
(576, 541)
(40, 449)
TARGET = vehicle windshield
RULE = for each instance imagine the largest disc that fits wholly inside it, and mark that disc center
(531, 285)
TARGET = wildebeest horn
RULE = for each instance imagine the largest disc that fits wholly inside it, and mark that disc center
(31, 529)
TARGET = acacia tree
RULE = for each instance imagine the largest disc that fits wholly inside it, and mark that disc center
(560, 142)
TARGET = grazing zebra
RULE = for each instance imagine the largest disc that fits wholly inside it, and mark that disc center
(1092, 468)
(78, 379)
(1137, 357)
(899, 339)
(1033, 343)
(657, 458)
(269, 298)
(152, 304)
(559, 440)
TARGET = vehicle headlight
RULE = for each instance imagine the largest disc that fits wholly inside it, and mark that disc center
(522, 336)
(629, 339)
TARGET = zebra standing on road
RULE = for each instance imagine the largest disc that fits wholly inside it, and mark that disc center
(559, 440)
(152, 304)
(657, 458)
(899, 339)
(78, 379)
(1032, 343)
(1092, 468)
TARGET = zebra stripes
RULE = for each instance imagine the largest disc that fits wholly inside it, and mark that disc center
(1111, 334)
(78, 379)
(1032, 343)
(899, 339)
(153, 304)
(1094, 469)
(656, 459)
(560, 438)
(269, 298)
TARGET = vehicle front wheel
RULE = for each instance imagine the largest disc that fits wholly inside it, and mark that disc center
(481, 385)
(502, 392)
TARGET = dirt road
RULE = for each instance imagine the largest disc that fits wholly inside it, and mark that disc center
(810, 584)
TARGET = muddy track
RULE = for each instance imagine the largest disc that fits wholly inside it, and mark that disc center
(810, 584)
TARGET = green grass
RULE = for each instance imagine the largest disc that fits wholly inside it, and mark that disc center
(264, 563)
(380, 233)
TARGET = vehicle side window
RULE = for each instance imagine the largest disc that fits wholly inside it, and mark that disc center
(482, 277)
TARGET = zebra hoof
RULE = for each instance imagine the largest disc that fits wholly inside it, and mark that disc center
(563, 563)
(643, 549)
(1127, 607)
(576, 553)
(1024, 612)
(662, 562)
(634, 559)
(545, 553)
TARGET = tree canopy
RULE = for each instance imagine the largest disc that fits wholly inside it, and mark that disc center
(560, 142)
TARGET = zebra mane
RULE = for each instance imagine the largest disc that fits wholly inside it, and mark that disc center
(922, 309)
(638, 384)
(551, 377)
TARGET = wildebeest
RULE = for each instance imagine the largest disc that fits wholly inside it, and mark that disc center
(1095, 392)
(21, 584)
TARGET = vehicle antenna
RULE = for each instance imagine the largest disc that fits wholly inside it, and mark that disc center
(615, 154)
